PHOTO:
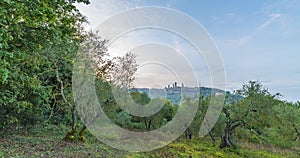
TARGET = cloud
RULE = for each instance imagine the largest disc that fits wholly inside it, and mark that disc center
(245, 39)
(268, 22)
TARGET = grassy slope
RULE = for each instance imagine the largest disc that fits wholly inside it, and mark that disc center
(47, 143)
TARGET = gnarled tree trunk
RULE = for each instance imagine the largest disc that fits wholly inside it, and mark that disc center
(188, 134)
(231, 125)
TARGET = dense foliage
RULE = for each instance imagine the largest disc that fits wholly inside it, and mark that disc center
(38, 39)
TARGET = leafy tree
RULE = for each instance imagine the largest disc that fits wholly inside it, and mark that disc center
(252, 113)
(140, 98)
(93, 50)
(155, 121)
(285, 131)
(37, 38)
(163, 116)
(203, 101)
(122, 74)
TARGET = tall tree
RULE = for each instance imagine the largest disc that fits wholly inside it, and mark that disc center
(37, 38)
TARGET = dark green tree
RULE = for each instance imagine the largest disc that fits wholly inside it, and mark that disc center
(38, 39)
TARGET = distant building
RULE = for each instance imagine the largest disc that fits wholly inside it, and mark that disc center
(175, 93)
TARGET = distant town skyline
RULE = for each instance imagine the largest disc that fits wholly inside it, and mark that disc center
(175, 92)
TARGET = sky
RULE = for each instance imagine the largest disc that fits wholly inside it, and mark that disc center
(257, 40)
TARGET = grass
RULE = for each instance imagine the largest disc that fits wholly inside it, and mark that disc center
(47, 142)
(201, 147)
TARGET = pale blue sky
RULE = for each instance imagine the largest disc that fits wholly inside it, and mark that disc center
(258, 40)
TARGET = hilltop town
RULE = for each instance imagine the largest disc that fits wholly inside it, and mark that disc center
(174, 93)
